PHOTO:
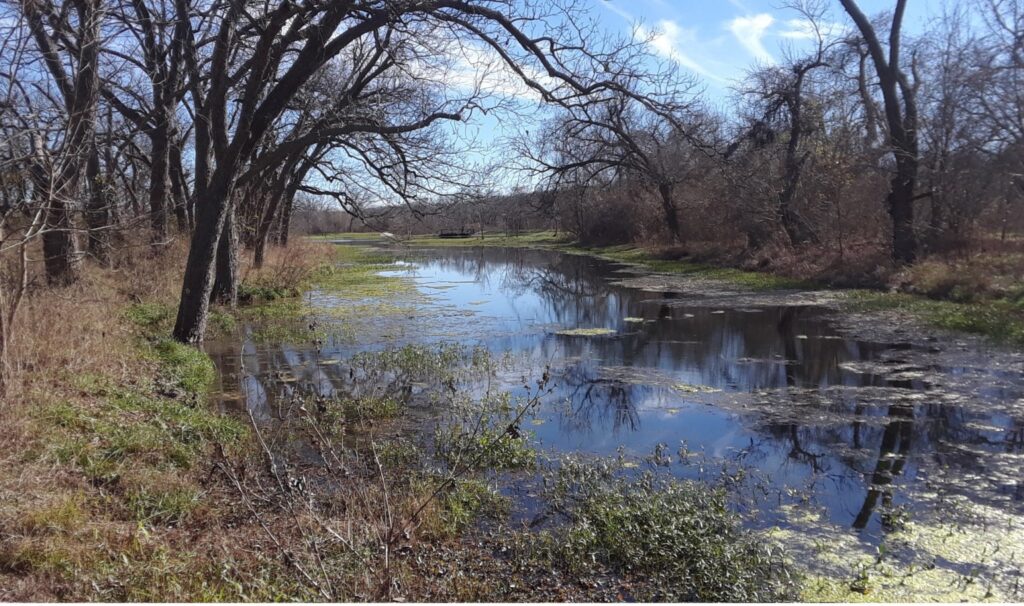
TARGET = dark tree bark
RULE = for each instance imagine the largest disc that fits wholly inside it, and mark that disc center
(225, 285)
(286, 219)
(197, 285)
(98, 210)
(669, 208)
(159, 179)
(58, 179)
(179, 191)
(61, 256)
(797, 230)
(901, 117)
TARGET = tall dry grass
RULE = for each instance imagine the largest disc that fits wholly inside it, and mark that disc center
(77, 329)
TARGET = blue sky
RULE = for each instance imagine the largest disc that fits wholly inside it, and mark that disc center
(719, 40)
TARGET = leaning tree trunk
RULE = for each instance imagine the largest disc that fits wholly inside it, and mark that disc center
(197, 285)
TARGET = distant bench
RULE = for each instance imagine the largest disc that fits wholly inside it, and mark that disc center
(455, 234)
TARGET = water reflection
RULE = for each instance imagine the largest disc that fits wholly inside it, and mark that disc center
(860, 424)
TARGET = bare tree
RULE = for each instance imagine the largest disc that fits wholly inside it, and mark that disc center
(781, 92)
(68, 43)
(900, 101)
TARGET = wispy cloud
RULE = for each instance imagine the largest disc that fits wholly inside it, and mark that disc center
(668, 40)
(798, 29)
(749, 31)
(615, 8)
(803, 29)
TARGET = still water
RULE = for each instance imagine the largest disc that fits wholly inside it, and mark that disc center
(859, 429)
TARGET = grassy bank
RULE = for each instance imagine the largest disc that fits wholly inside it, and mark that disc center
(106, 489)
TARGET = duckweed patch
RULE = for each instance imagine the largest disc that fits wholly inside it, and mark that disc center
(918, 561)
(689, 388)
(586, 332)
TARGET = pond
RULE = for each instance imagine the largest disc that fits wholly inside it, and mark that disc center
(858, 429)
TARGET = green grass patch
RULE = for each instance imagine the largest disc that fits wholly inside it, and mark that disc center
(999, 320)
(161, 499)
(151, 317)
(185, 366)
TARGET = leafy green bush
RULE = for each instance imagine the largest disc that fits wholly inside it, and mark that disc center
(679, 537)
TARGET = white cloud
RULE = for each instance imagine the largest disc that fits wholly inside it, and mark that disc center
(668, 39)
(798, 29)
(749, 32)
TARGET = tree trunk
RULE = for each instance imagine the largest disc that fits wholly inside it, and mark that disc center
(60, 246)
(197, 285)
(97, 213)
(266, 222)
(671, 214)
(286, 218)
(178, 192)
(159, 178)
(797, 230)
(901, 210)
(902, 121)
(262, 235)
(225, 284)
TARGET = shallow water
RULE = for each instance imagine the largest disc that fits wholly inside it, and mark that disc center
(861, 430)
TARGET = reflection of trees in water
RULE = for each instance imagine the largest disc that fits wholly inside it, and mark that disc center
(571, 287)
(592, 400)
(892, 456)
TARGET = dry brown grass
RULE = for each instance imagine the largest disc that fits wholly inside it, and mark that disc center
(150, 524)
(287, 267)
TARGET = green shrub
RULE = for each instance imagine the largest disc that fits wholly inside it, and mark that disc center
(678, 536)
